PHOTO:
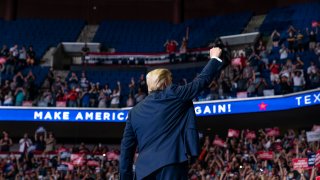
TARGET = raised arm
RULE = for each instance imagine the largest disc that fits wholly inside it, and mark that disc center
(213, 67)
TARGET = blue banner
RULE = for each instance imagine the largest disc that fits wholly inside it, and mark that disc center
(210, 108)
(258, 104)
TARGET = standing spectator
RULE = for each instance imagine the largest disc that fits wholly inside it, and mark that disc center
(139, 96)
(291, 40)
(312, 38)
(20, 95)
(130, 101)
(102, 100)
(107, 91)
(50, 142)
(4, 51)
(314, 75)
(300, 40)
(283, 54)
(85, 98)
(22, 60)
(5, 142)
(171, 48)
(132, 87)
(24, 144)
(285, 84)
(73, 80)
(19, 79)
(115, 97)
(183, 49)
(261, 85)
(39, 142)
(31, 56)
(51, 76)
(30, 86)
(274, 71)
(14, 51)
(10, 64)
(84, 83)
(72, 97)
(85, 50)
(94, 94)
(143, 84)
(275, 36)
(8, 99)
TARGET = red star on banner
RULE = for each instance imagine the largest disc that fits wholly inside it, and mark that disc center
(263, 106)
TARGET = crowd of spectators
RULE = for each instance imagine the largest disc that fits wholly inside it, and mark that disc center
(262, 154)
(282, 67)
(80, 92)
(41, 158)
(16, 87)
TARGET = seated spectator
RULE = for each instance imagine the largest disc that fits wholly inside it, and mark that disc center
(5, 142)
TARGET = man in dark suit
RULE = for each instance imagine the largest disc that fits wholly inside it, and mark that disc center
(162, 128)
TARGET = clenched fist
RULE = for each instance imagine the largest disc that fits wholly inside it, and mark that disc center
(215, 52)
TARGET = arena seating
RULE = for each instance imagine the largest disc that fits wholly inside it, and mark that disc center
(41, 34)
(149, 36)
(299, 15)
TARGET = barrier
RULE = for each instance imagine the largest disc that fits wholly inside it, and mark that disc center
(207, 108)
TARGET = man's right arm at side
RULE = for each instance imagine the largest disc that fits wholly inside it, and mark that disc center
(128, 147)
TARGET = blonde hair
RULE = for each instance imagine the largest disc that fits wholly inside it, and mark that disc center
(158, 79)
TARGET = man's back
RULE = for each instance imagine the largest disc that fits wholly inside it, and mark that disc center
(160, 122)
(162, 128)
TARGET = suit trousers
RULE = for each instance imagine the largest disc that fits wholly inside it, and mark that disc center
(177, 171)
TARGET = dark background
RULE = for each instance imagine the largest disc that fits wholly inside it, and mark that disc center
(170, 10)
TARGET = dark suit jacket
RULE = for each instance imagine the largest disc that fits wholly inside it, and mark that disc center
(163, 128)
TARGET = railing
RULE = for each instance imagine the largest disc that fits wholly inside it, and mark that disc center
(138, 58)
